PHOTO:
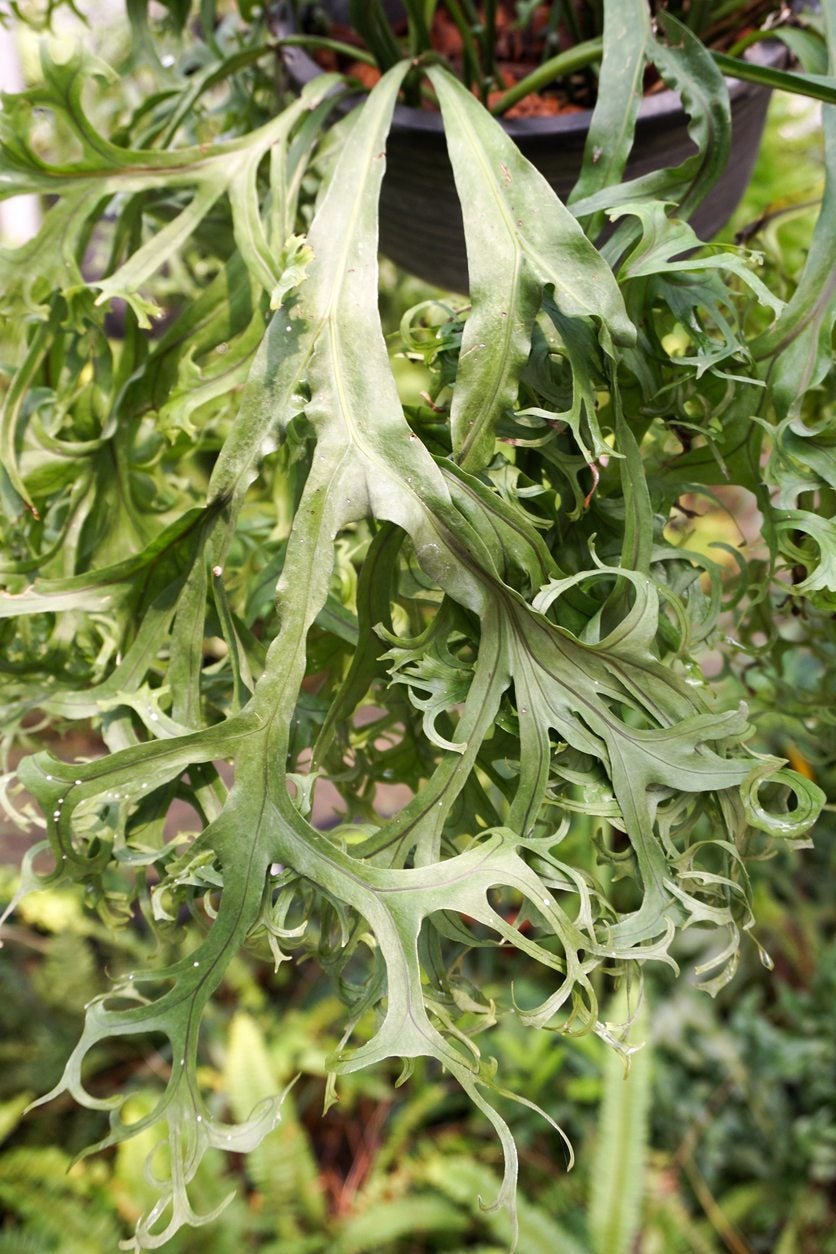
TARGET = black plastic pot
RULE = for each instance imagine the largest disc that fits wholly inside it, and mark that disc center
(420, 218)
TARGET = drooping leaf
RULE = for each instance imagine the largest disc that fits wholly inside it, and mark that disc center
(687, 67)
(516, 229)
(620, 90)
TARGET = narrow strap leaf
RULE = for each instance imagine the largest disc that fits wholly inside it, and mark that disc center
(620, 92)
(521, 240)
(816, 86)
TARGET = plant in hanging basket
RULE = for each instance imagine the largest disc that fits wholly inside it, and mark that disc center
(233, 555)
(420, 219)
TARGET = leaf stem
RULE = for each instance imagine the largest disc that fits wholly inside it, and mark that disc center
(332, 45)
(817, 86)
(576, 58)
(471, 65)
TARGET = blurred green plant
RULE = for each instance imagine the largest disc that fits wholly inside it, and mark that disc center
(735, 1139)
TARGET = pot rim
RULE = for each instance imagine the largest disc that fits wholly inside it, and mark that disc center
(302, 69)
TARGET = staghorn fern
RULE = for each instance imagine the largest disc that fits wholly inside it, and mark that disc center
(520, 642)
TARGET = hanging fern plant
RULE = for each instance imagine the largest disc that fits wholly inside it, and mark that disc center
(474, 597)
